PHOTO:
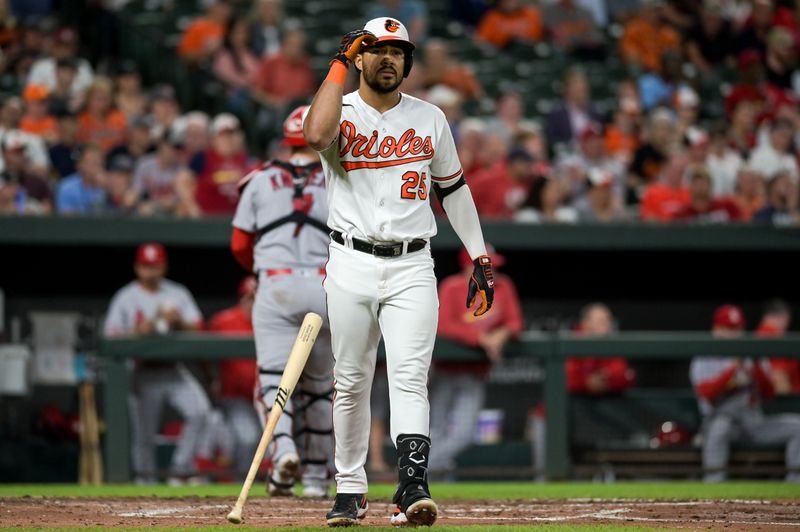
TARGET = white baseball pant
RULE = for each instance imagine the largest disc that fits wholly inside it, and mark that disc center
(370, 296)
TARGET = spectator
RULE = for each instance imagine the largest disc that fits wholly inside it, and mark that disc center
(236, 64)
(647, 36)
(774, 154)
(660, 141)
(208, 186)
(18, 58)
(730, 392)
(710, 42)
(659, 88)
(164, 109)
(121, 198)
(155, 176)
(590, 154)
(586, 376)
(65, 48)
(510, 22)
(470, 141)
(203, 37)
(442, 69)
(283, 78)
(695, 142)
(153, 305)
(774, 323)
(130, 99)
(702, 206)
(749, 193)
(723, 162)
(508, 117)
(781, 202)
(501, 191)
(572, 30)
(546, 203)
(413, 13)
(84, 191)
(62, 97)
(742, 127)
(66, 150)
(458, 388)
(622, 134)
(37, 120)
(661, 201)
(602, 203)
(266, 31)
(137, 139)
(780, 60)
(573, 113)
(449, 101)
(101, 123)
(753, 35)
(31, 192)
(192, 129)
(35, 149)
(237, 377)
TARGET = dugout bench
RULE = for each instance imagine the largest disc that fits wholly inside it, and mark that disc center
(550, 349)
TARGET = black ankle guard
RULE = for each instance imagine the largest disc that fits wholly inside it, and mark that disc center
(412, 465)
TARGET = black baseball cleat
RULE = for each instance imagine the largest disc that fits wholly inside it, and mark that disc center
(420, 510)
(413, 498)
(348, 508)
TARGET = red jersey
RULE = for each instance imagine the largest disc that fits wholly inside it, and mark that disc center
(661, 202)
(217, 177)
(718, 210)
(457, 323)
(790, 366)
(497, 195)
(618, 374)
(237, 376)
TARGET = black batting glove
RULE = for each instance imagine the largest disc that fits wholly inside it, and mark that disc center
(481, 281)
(351, 45)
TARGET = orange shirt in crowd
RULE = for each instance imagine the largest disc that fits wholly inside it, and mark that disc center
(644, 43)
(106, 132)
(237, 376)
(500, 28)
(790, 366)
(201, 36)
(662, 203)
(619, 143)
(45, 127)
(284, 79)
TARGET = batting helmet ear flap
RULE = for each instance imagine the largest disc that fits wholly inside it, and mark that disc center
(408, 63)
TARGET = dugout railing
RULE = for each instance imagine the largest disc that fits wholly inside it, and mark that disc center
(551, 350)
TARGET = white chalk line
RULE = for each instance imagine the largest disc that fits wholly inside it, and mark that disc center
(169, 512)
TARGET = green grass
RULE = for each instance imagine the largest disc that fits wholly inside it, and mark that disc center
(461, 490)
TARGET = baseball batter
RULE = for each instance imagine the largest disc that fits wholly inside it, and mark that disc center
(384, 153)
(154, 305)
(279, 233)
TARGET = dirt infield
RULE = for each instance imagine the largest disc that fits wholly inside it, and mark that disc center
(47, 512)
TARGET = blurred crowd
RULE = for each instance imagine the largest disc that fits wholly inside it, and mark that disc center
(81, 133)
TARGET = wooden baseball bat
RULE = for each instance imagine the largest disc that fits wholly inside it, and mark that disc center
(294, 367)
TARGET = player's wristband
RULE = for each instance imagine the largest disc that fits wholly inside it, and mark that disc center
(337, 74)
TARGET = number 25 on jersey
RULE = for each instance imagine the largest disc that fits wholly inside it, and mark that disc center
(414, 186)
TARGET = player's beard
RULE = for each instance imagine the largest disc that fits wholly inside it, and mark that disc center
(375, 82)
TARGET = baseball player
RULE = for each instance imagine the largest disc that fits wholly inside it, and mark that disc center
(237, 378)
(774, 323)
(279, 233)
(154, 305)
(730, 391)
(458, 389)
(383, 154)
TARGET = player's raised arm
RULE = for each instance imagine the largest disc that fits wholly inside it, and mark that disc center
(321, 125)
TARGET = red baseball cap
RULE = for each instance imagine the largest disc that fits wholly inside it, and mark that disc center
(247, 286)
(151, 254)
(293, 128)
(497, 259)
(730, 317)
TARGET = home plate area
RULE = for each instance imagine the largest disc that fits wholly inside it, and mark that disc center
(261, 511)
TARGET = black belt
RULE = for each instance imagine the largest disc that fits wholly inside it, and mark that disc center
(381, 250)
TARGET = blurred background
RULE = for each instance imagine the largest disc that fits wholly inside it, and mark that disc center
(635, 164)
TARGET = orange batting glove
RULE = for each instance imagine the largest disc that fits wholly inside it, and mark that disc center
(481, 281)
(352, 44)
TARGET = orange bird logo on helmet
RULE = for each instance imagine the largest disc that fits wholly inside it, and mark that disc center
(391, 25)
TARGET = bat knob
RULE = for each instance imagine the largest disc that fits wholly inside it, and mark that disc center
(235, 516)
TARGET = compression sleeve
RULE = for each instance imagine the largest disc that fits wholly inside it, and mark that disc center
(463, 216)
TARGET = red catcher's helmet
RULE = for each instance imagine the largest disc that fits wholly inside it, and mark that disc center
(293, 128)
(729, 317)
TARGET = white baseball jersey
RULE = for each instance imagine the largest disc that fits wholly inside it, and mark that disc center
(133, 304)
(380, 169)
(269, 196)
